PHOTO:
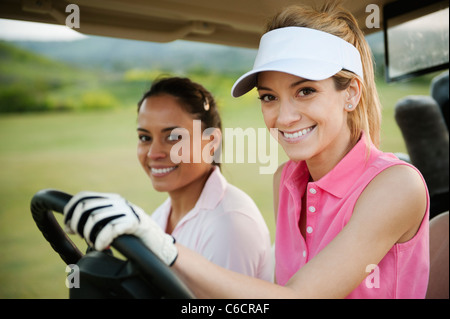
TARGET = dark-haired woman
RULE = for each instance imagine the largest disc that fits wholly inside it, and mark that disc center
(179, 131)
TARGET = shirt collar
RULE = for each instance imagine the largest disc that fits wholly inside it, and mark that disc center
(342, 176)
(348, 170)
(213, 191)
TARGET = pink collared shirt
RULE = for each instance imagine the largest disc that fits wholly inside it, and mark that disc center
(226, 227)
(402, 273)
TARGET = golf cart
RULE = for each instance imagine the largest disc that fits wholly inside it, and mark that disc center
(240, 23)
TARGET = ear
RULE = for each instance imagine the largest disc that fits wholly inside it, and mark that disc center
(216, 143)
(353, 94)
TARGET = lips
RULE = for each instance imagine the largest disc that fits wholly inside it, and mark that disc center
(295, 135)
(162, 171)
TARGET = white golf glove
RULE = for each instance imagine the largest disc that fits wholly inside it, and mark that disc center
(101, 217)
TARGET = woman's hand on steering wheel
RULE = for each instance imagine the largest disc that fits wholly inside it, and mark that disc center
(102, 217)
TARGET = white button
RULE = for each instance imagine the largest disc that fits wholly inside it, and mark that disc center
(309, 229)
(312, 191)
(304, 253)
(312, 209)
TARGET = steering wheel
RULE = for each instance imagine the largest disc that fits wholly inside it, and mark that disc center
(145, 266)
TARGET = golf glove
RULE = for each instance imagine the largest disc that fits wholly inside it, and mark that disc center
(99, 218)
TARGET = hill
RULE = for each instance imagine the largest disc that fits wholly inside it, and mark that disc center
(103, 73)
(17, 64)
(121, 54)
(31, 82)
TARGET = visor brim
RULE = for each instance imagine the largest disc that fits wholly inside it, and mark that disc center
(303, 68)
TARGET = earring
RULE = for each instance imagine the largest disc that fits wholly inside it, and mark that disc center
(206, 104)
(349, 106)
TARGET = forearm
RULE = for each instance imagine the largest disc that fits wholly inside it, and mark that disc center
(207, 280)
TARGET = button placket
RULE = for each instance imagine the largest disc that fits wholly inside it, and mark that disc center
(311, 204)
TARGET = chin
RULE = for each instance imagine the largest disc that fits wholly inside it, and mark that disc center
(160, 188)
(297, 154)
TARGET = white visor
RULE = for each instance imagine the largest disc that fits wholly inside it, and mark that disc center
(307, 53)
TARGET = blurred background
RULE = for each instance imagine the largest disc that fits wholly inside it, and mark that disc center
(68, 122)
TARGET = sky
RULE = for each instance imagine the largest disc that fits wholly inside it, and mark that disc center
(12, 30)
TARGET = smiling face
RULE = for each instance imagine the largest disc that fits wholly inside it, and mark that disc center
(159, 118)
(311, 116)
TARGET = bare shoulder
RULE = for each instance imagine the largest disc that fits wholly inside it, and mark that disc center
(401, 181)
(397, 195)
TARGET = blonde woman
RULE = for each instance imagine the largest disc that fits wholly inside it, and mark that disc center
(352, 221)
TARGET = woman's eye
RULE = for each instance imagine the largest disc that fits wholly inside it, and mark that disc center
(267, 98)
(306, 91)
(174, 137)
(144, 138)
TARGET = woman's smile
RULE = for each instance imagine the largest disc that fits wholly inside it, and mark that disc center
(295, 136)
(162, 171)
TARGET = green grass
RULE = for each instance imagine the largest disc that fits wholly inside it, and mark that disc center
(97, 151)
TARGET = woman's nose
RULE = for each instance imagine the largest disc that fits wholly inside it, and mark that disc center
(288, 114)
(156, 151)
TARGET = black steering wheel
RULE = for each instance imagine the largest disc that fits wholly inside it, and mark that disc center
(143, 274)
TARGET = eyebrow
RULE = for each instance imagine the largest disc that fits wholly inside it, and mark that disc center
(166, 129)
(291, 86)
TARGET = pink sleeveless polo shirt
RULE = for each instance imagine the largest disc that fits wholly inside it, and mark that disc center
(402, 273)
